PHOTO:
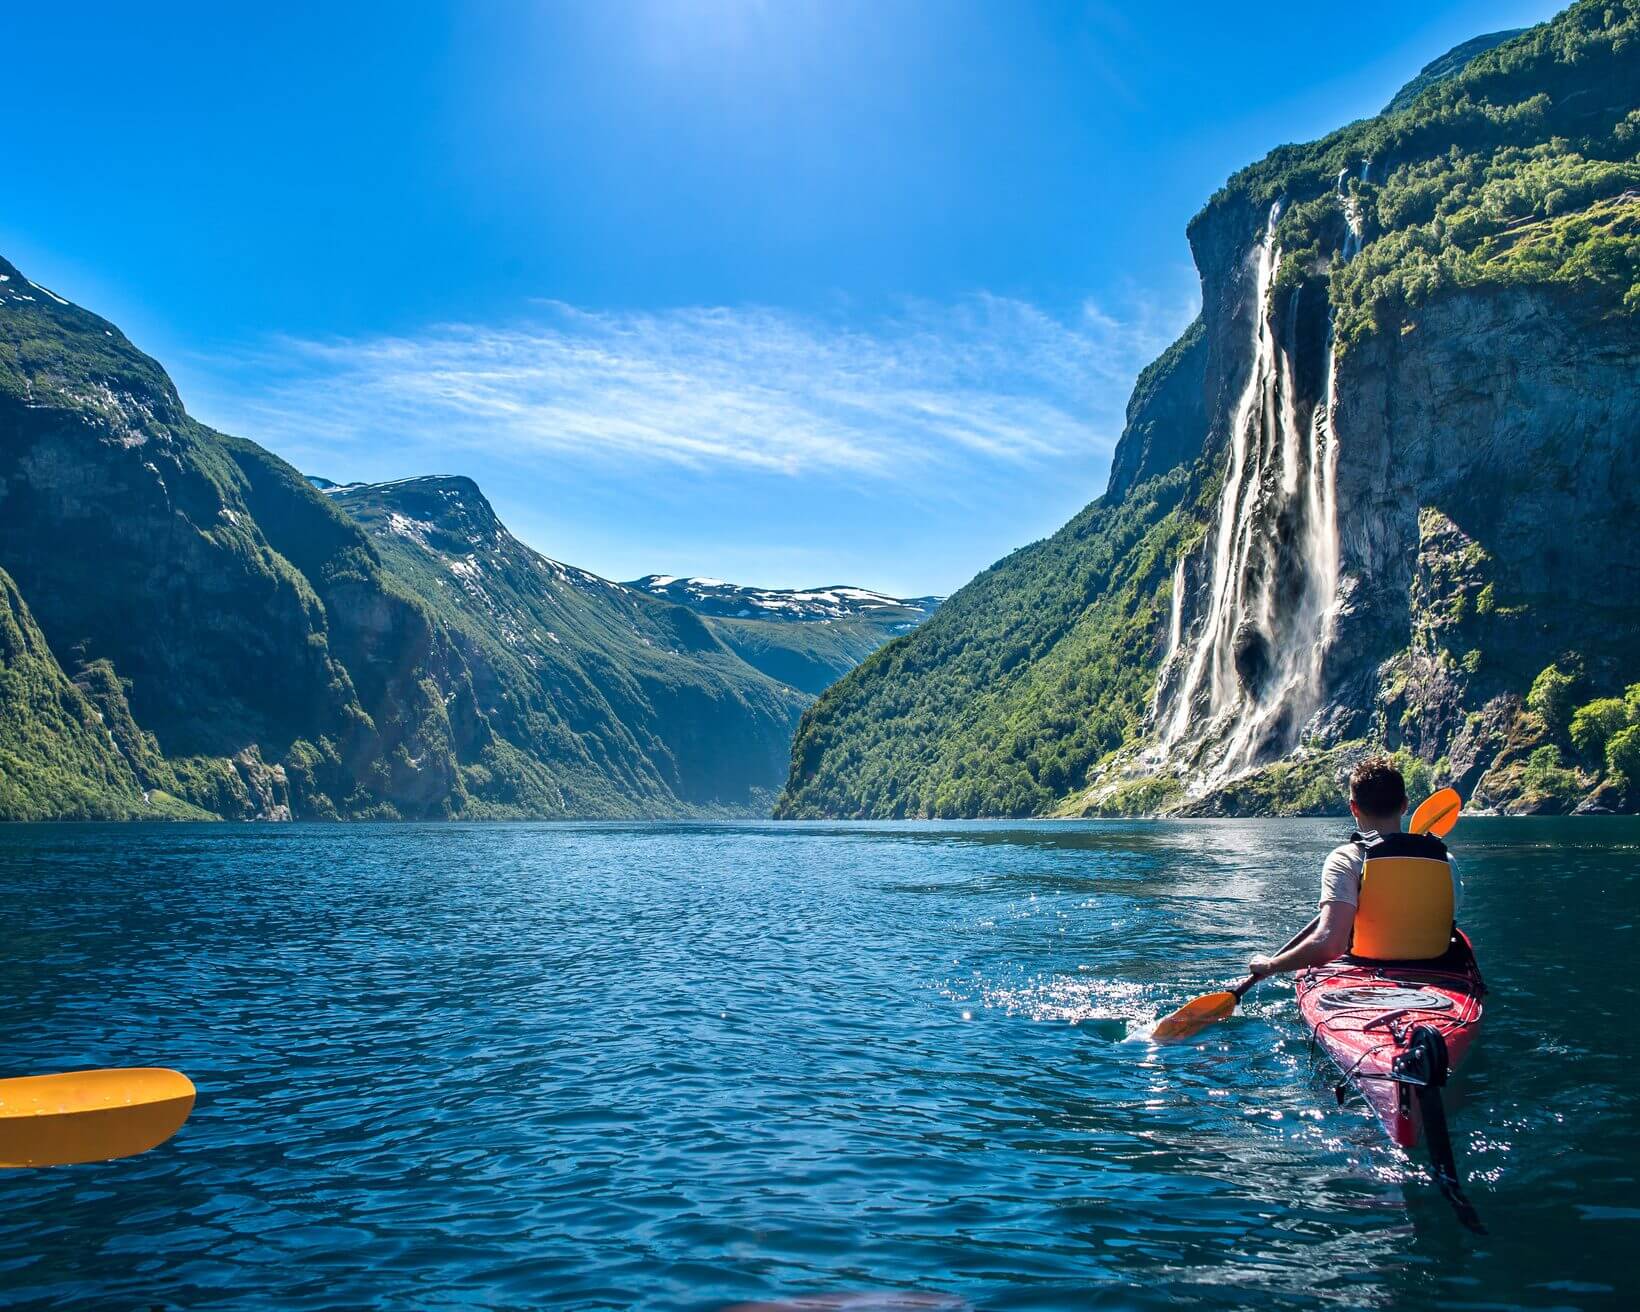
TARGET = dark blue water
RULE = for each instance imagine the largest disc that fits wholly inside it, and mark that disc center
(681, 1066)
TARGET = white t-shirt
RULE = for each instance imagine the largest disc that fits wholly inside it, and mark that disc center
(1341, 876)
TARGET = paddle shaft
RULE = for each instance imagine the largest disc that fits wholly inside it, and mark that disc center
(1241, 989)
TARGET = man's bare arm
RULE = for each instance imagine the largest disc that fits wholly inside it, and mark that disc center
(1329, 941)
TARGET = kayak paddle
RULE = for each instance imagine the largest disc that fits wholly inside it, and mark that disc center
(1436, 815)
(1197, 1014)
(90, 1116)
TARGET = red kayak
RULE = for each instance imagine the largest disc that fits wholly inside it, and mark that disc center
(1396, 1033)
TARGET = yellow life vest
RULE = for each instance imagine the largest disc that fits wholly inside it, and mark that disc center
(1405, 912)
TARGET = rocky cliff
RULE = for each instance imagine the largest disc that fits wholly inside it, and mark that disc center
(1376, 498)
(189, 627)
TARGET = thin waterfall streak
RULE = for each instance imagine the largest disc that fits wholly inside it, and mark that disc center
(1175, 637)
(1287, 387)
(1354, 221)
(1175, 621)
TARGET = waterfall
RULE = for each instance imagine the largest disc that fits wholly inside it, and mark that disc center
(1175, 622)
(1254, 674)
(1354, 221)
(1175, 636)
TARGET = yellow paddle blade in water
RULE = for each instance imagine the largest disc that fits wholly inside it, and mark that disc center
(1194, 1017)
(1437, 814)
(90, 1116)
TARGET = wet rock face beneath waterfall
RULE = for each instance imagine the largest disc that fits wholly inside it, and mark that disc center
(1252, 657)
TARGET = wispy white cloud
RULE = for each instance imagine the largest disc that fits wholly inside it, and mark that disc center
(986, 381)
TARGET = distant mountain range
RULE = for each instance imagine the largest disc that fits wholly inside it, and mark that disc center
(837, 602)
(807, 638)
(191, 628)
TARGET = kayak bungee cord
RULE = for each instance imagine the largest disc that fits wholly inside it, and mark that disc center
(1396, 1033)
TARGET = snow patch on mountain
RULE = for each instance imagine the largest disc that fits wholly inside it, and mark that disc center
(804, 605)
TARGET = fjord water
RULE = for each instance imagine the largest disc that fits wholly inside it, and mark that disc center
(685, 1065)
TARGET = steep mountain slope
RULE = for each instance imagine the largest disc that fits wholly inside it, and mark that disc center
(1040, 666)
(249, 654)
(1419, 341)
(57, 759)
(634, 702)
(807, 638)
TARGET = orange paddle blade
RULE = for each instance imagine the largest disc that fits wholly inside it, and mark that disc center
(90, 1116)
(1437, 814)
(1194, 1017)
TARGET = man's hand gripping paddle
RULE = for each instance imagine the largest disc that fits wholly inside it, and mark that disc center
(1436, 816)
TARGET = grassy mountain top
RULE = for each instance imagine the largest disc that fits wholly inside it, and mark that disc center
(1521, 168)
(1451, 63)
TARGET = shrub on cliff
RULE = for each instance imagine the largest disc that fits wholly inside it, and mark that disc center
(1595, 724)
(1551, 698)
(1545, 776)
(1623, 755)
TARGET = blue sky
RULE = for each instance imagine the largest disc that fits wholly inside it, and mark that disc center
(783, 292)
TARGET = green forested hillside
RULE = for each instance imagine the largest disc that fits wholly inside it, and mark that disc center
(1451, 62)
(808, 657)
(55, 757)
(1522, 167)
(1001, 701)
(193, 628)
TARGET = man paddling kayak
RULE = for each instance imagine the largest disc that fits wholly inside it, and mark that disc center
(1387, 984)
(1405, 911)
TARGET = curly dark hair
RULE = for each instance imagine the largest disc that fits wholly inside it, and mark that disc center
(1377, 787)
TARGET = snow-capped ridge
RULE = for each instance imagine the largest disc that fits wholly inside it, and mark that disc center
(836, 601)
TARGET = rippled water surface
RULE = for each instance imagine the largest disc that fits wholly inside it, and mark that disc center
(683, 1066)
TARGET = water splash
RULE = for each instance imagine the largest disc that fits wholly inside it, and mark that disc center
(1254, 674)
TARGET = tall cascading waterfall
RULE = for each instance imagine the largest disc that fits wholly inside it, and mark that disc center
(1252, 661)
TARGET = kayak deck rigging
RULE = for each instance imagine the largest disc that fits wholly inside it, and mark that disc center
(1396, 1032)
